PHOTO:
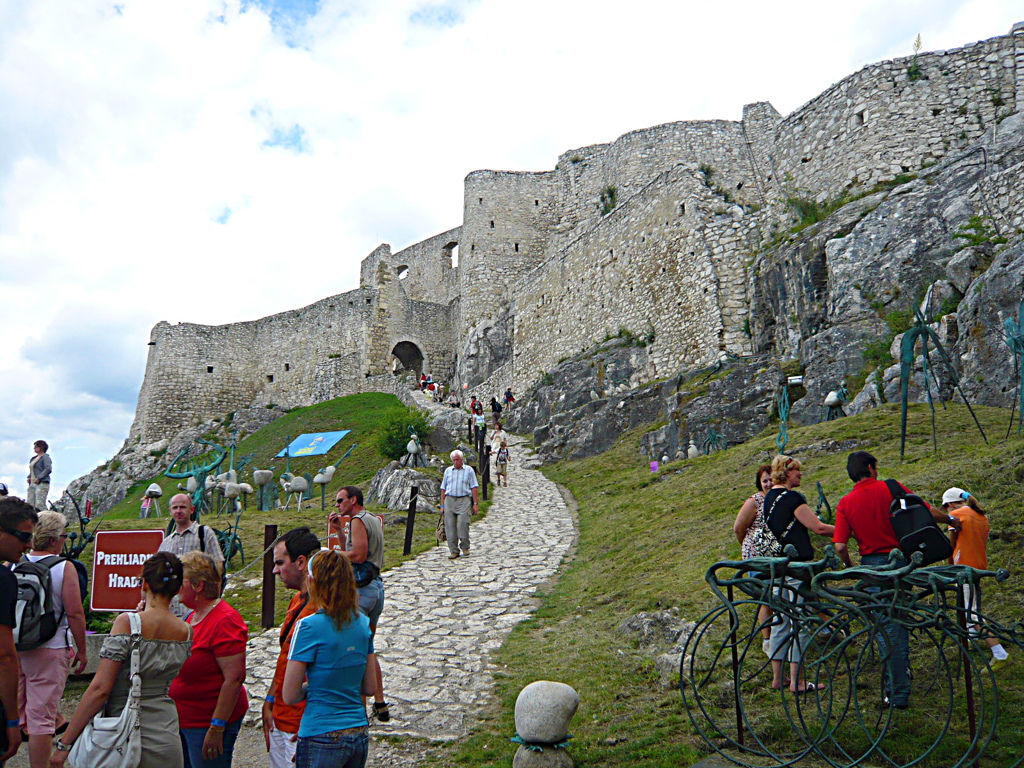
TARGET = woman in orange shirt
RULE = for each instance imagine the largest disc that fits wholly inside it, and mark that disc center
(969, 548)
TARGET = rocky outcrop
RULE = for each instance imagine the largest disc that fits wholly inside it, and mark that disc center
(109, 483)
(585, 404)
(392, 486)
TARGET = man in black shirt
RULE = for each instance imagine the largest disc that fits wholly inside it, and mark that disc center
(17, 520)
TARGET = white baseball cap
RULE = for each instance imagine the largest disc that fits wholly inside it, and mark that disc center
(954, 494)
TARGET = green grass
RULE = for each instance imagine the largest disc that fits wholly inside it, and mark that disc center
(362, 414)
(645, 542)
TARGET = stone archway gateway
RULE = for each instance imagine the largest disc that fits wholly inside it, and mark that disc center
(408, 357)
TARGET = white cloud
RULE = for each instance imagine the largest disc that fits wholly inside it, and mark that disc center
(176, 160)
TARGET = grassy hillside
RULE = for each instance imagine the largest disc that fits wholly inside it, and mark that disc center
(646, 541)
(359, 413)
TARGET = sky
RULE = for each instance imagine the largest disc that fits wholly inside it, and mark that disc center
(212, 161)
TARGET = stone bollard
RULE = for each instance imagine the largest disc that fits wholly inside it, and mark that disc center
(543, 712)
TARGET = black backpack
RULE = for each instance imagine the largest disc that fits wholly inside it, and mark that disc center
(915, 528)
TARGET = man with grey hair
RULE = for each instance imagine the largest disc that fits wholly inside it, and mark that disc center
(459, 500)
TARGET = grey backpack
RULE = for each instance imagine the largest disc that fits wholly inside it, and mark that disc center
(35, 620)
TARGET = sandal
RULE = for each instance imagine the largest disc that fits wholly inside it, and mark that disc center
(381, 711)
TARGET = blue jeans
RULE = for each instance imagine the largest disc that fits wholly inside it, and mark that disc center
(371, 600)
(192, 746)
(333, 750)
(896, 637)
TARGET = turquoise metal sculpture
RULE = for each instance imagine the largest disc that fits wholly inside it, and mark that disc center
(841, 621)
(198, 468)
(1015, 341)
(782, 438)
(714, 442)
(923, 331)
(823, 506)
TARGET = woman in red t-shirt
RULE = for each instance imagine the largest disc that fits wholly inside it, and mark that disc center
(208, 691)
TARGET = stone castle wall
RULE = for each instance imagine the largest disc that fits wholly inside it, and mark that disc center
(880, 122)
(544, 273)
(669, 263)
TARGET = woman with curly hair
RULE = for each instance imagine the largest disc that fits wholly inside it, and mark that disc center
(329, 651)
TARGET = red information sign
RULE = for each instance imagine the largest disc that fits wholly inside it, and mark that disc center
(117, 567)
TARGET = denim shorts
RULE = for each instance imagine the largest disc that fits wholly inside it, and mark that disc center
(335, 749)
(371, 600)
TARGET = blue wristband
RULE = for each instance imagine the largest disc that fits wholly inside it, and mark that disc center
(13, 723)
(270, 699)
(218, 722)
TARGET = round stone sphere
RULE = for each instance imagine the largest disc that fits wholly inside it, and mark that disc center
(549, 758)
(543, 711)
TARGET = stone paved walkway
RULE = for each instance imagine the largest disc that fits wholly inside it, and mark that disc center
(443, 618)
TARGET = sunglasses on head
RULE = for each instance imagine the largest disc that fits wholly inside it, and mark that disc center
(23, 536)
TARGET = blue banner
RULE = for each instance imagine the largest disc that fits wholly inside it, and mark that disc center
(315, 444)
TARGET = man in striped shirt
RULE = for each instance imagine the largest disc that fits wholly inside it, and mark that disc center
(186, 538)
(459, 492)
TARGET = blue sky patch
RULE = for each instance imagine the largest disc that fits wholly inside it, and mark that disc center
(285, 13)
(224, 216)
(293, 138)
(436, 17)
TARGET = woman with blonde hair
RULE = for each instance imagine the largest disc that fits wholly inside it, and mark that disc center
(970, 547)
(330, 651)
(44, 669)
(163, 648)
(790, 520)
(208, 692)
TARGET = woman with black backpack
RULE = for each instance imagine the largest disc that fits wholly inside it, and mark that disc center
(45, 667)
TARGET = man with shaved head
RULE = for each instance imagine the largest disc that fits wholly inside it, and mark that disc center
(189, 536)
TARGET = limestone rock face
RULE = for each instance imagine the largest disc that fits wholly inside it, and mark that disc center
(567, 421)
(392, 485)
(488, 348)
(544, 710)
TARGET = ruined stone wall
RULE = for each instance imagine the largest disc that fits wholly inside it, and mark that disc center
(324, 350)
(670, 262)
(630, 162)
(426, 266)
(885, 119)
(507, 221)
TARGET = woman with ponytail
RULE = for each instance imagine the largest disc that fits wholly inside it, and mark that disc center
(329, 652)
(970, 547)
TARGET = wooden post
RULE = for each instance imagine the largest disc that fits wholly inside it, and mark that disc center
(733, 640)
(469, 429)
(410, 521)
(485, 474)
(269, 536)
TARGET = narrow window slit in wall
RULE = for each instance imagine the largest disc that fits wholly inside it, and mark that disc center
(739, 186)
(492, 225)
(517, 247)
(682, 209)
(209, 369)
(287, 366)
(480, 201)
(270, 378)
(536, 202)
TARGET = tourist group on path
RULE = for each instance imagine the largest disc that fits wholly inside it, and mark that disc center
(778, 515)
(177, 665)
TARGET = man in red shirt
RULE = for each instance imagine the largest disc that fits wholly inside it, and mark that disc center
(281, 721)
(864, 514)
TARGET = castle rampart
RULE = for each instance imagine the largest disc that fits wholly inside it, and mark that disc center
(550, 262)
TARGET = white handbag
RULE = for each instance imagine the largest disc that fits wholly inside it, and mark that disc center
(115, 742)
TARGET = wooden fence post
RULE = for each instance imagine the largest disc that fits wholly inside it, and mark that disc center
(410, 521)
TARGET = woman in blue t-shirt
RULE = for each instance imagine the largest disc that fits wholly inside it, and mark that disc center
(329, 651)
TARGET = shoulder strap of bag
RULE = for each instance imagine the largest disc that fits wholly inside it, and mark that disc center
(287, 628)
(135, 622)
(787, 529)
(895, 489)
(202, 538)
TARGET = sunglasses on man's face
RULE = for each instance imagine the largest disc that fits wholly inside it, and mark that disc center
(23, 536)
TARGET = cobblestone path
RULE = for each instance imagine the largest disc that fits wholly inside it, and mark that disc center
(443, 618)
